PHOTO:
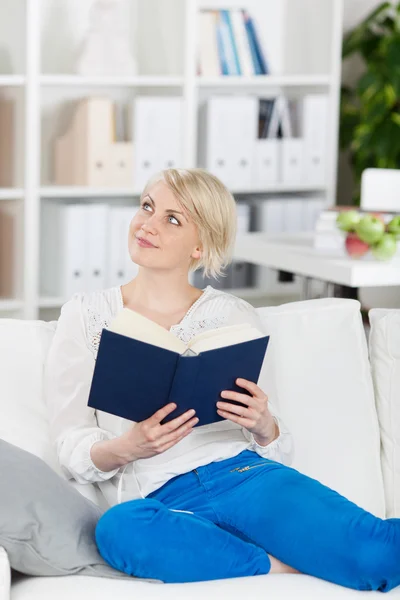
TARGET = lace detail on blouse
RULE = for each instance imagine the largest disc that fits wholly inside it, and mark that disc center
(185, 330)
(96, 324)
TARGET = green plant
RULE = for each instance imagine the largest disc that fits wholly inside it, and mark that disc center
(370, 110)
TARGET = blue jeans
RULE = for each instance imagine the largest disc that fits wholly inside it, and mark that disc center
(243, 508)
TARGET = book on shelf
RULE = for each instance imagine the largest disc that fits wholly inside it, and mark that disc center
(229, 44)
(142, 366)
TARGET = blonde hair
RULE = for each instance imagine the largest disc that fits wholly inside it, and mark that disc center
(211, 207)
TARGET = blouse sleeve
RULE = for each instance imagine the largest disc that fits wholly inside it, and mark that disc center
(67, 379)
(282, 449)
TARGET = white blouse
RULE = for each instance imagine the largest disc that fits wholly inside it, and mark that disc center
(75, 427)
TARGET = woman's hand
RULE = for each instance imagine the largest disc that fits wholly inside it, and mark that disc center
(149, 437)
(256, 418)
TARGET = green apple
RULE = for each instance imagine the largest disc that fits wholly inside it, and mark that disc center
(385, 248)
(370, 229)
(394, 226)
(347, 220)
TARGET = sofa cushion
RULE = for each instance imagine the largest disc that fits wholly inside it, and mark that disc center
(384, 342)
(23, 418)
(317, 375)
(46, 527)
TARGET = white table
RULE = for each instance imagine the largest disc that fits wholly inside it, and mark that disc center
(296, 254)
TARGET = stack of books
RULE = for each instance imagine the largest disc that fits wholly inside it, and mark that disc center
(229, 44)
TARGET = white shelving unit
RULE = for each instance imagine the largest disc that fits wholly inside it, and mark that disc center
(303, 42)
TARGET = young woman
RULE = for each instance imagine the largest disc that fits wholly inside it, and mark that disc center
(209, 502)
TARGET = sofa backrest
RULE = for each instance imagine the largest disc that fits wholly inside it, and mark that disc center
(316, 373)
(23, 419)
(385, 361)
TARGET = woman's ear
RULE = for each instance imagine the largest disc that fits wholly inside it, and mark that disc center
(196, 253)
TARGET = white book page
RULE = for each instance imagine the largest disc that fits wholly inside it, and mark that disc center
(134, 325)
(224, 336)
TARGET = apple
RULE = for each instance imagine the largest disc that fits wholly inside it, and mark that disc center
(385, 248)
(347, 220)
(370, 229)
(394, 226)
(354, 246)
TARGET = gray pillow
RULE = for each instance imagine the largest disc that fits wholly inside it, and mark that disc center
(46, 526)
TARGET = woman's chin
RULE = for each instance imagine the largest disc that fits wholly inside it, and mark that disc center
(141, 261)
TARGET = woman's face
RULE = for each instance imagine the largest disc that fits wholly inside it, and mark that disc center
(161, 236)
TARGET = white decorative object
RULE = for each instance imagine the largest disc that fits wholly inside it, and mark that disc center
(106, 48)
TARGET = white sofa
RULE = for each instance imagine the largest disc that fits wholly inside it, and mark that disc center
(317, 373)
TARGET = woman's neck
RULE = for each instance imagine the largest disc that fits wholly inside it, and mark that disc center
(160, 294)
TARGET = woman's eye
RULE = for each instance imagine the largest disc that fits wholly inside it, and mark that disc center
(145, 205)
(173, 220)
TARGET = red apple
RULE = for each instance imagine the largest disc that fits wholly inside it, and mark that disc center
(354, 246)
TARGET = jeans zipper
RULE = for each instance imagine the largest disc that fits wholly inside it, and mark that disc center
(241, 469)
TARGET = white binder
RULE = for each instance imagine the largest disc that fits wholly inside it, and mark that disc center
(120, 268)
(127, 214)
(212, 138)
(169, 146)
(97, 216)
(63, 249)
(293, 215)
(228, 133)
(266, 162)
(157, 135)
(271, 220)
(292, 160)
(313, 207)
(315, 130)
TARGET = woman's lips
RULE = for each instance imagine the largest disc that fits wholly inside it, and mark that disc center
(144, 243)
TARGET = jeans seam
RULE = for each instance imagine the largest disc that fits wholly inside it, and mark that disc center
(208, 496)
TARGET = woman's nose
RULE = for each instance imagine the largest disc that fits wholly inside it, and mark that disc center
(150, 224)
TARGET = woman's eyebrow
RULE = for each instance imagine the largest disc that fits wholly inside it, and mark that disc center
(168, 210)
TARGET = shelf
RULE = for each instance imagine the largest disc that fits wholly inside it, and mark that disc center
(265, 81)
(86, 192)
(277, 188)
(12, 80)
(139, 81)
(7, 304)
(11, 193)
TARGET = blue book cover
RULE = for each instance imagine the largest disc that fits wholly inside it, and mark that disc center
(133, 379)
(220, 45)
(227, 19)
(257, 45)
(253, 49)
(227, 43)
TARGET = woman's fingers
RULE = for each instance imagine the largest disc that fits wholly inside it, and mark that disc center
(233, 408)
(239, 397)
(251, 387)
(178, 421)
(161, 414)
(180, 432)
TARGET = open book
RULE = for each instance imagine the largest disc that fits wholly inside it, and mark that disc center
(142, 366)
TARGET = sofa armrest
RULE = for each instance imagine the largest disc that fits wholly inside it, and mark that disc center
(5, 575)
